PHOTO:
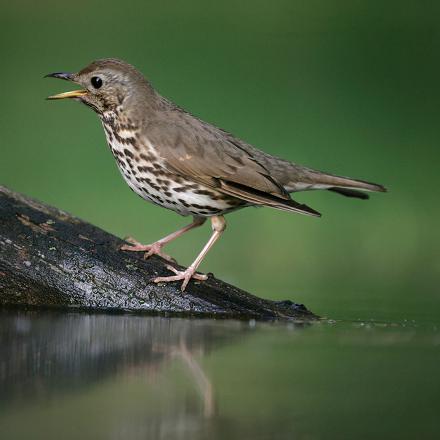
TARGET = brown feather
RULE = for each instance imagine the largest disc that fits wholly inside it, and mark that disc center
(258, 198)
(207, 157)
(350, 193)
(203, 156)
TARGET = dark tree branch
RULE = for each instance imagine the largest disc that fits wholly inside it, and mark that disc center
(50, 258)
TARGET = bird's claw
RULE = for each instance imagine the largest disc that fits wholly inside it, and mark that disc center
(184, 275)
(131, 240)
(149, 249)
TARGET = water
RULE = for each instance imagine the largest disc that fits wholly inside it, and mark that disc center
(75, 375)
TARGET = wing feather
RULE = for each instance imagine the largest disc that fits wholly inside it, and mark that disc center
(200, 153)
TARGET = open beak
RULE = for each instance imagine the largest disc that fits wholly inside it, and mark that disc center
(72, 94)
(68, 77)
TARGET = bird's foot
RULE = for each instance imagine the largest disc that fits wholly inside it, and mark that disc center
(149, 249)
(184, 275)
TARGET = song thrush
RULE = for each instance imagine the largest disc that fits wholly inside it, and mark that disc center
(175, 160)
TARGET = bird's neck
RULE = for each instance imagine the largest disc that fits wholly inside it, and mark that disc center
(123, 122)
(120, 129)
(118, 118)
(113, 117)
(133, 108)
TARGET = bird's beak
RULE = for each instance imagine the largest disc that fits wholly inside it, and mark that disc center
(72, 94)
(68, 77)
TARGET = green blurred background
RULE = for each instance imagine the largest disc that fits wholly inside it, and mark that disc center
(350, 87)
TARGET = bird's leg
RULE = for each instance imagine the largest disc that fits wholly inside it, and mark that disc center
(156, 247)
(218, 226)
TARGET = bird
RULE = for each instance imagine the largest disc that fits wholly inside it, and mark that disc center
(175, 160)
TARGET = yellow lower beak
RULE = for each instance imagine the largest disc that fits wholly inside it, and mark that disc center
(72, 94)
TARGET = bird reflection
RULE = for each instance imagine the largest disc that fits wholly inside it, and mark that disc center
(60, 357)
(49, 354)
(198, 375)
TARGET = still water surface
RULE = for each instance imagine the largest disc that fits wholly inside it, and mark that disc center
(75, 375)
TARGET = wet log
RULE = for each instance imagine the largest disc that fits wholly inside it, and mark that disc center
(49, 258)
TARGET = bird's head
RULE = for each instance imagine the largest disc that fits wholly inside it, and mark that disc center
(107, 84)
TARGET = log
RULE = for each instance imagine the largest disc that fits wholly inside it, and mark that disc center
(49, 258)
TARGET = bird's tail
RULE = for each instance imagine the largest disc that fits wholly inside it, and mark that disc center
(312, 179)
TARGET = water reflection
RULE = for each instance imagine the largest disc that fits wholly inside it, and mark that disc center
(51, 355)
(125, 377)
(44, 353)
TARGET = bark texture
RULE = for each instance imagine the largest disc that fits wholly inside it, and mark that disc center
(53, 259)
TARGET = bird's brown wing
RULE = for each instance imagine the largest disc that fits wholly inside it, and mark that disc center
(210, 158)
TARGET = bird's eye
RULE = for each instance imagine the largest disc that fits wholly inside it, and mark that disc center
(96, 82)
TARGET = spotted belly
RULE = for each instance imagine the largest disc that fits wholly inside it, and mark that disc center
(146, 175)
(173, 192)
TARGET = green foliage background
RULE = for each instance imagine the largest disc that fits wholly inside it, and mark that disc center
(350, 87)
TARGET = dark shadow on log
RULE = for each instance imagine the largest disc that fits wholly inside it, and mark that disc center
(50, 258)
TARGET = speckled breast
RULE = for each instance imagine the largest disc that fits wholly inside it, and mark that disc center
(146, 174)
